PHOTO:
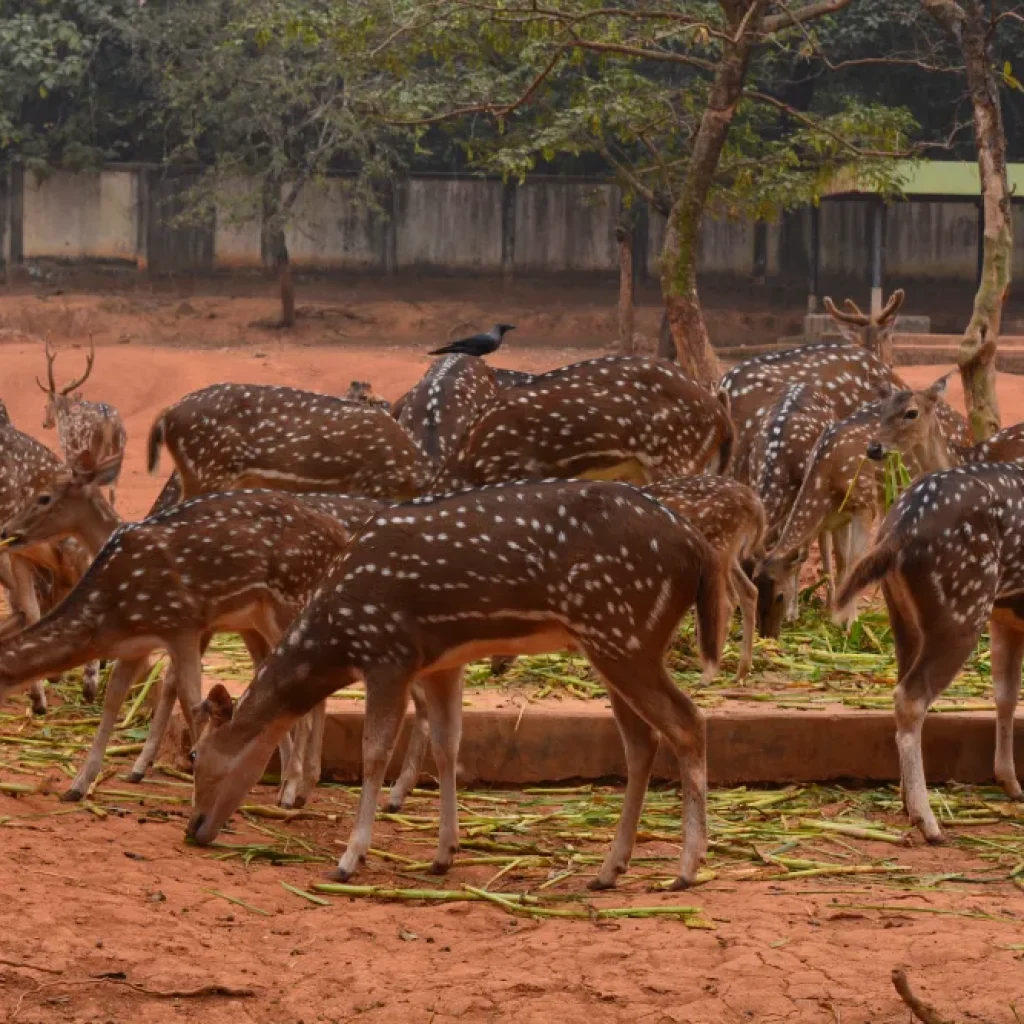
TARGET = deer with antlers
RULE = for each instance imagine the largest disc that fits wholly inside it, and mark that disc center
(848, 373)
(873, 332)
(950, 558)
(516, 569)
(79, 423)
(232, 436)
(616, 418)
(438, 409)
(909, 423)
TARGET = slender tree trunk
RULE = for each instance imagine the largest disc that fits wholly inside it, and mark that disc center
(682, 235)
(286, 282)
(666, 343)
(627, 305)
(967, 23)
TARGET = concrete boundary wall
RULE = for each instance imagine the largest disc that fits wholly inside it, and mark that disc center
(464, 225)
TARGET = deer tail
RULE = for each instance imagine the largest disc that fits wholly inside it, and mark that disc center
(710, 603)
(725, 447)
(870, 569)
(156, 440)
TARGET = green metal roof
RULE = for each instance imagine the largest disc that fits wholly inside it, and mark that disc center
(933, 178)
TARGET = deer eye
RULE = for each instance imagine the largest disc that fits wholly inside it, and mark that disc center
(192, 756)
(44, 499)
(910, 414)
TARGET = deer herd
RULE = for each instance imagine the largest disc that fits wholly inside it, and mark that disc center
(491, 514)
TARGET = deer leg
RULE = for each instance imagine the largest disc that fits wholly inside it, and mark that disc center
(26, 601)
(933, 670)
(662, 705)
(825, 548)
(314, 752)
(186, 654)
(414, 753)
(1007, 658)
(858, 535)
(293, 768)
(124, 674)
(387, 696)
(444, 710)
(745, 594)
(640, 742)
(157, 726)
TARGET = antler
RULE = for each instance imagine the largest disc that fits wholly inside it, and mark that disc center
(51, 358)
(892, 307)
(856, 318)
(78, 382)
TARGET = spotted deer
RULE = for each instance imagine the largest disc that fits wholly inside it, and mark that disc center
(515, 569)
(512, 378)
(235, 436)
(873, 331)
(438, 409)
(36, 577)
(242, 562)
(909, 423)
(838, 495)
(74, 506)
(615, 418)
(950, 558)
(80, 423)
(849, 374)
(781, 452)
(362, 391)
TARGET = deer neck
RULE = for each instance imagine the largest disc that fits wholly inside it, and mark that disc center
(96, 524)
(56, 643)
(935, 452)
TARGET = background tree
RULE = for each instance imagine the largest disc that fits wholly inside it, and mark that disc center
(686, 104)
(273, 95)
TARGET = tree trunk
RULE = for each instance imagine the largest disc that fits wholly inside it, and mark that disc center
(286, 282)
(968, 25)
(682, 235)
(624, 236)
(666, 343)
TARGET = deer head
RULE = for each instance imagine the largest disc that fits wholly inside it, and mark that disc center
(909, 423)
(873, 333)
(70, 501)
(58, 400)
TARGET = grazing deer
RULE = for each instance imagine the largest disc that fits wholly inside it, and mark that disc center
(874, 333)
(79, 423)
(439, 408)
(362, 391)
(838, 495)
(781, 452)
(950, 557)
(909, 423)
(615, 418)
(242, 562)
(731, 518)
(848, 375)
(74, 506)
(234, 436)
(515, 569)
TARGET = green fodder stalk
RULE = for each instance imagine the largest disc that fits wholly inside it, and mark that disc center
(896, 478)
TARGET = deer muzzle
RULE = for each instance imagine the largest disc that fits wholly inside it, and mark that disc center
(876, 451)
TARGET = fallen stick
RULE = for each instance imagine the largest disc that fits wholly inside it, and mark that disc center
(924, 1012)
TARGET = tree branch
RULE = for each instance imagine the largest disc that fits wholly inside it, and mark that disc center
(790, 18)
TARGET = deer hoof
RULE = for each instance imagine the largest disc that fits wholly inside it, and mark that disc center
(337, 875)
(38, 709)
(600, 884)
(71, 796)
(440, 867)
(680, 884)
(136, 776)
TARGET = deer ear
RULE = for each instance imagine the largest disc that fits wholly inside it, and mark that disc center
(886, 389)
(85, 465)
(218, 705)
(935, 391)
(107, 472)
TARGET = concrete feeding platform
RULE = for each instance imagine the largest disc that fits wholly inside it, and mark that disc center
(508, 740)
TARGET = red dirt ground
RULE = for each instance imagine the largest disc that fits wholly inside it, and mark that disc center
(77, 905)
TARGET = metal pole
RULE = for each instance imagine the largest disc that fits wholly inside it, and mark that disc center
(877, 254)
(814, 260)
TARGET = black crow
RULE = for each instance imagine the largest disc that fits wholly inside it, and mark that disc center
(478, 344)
